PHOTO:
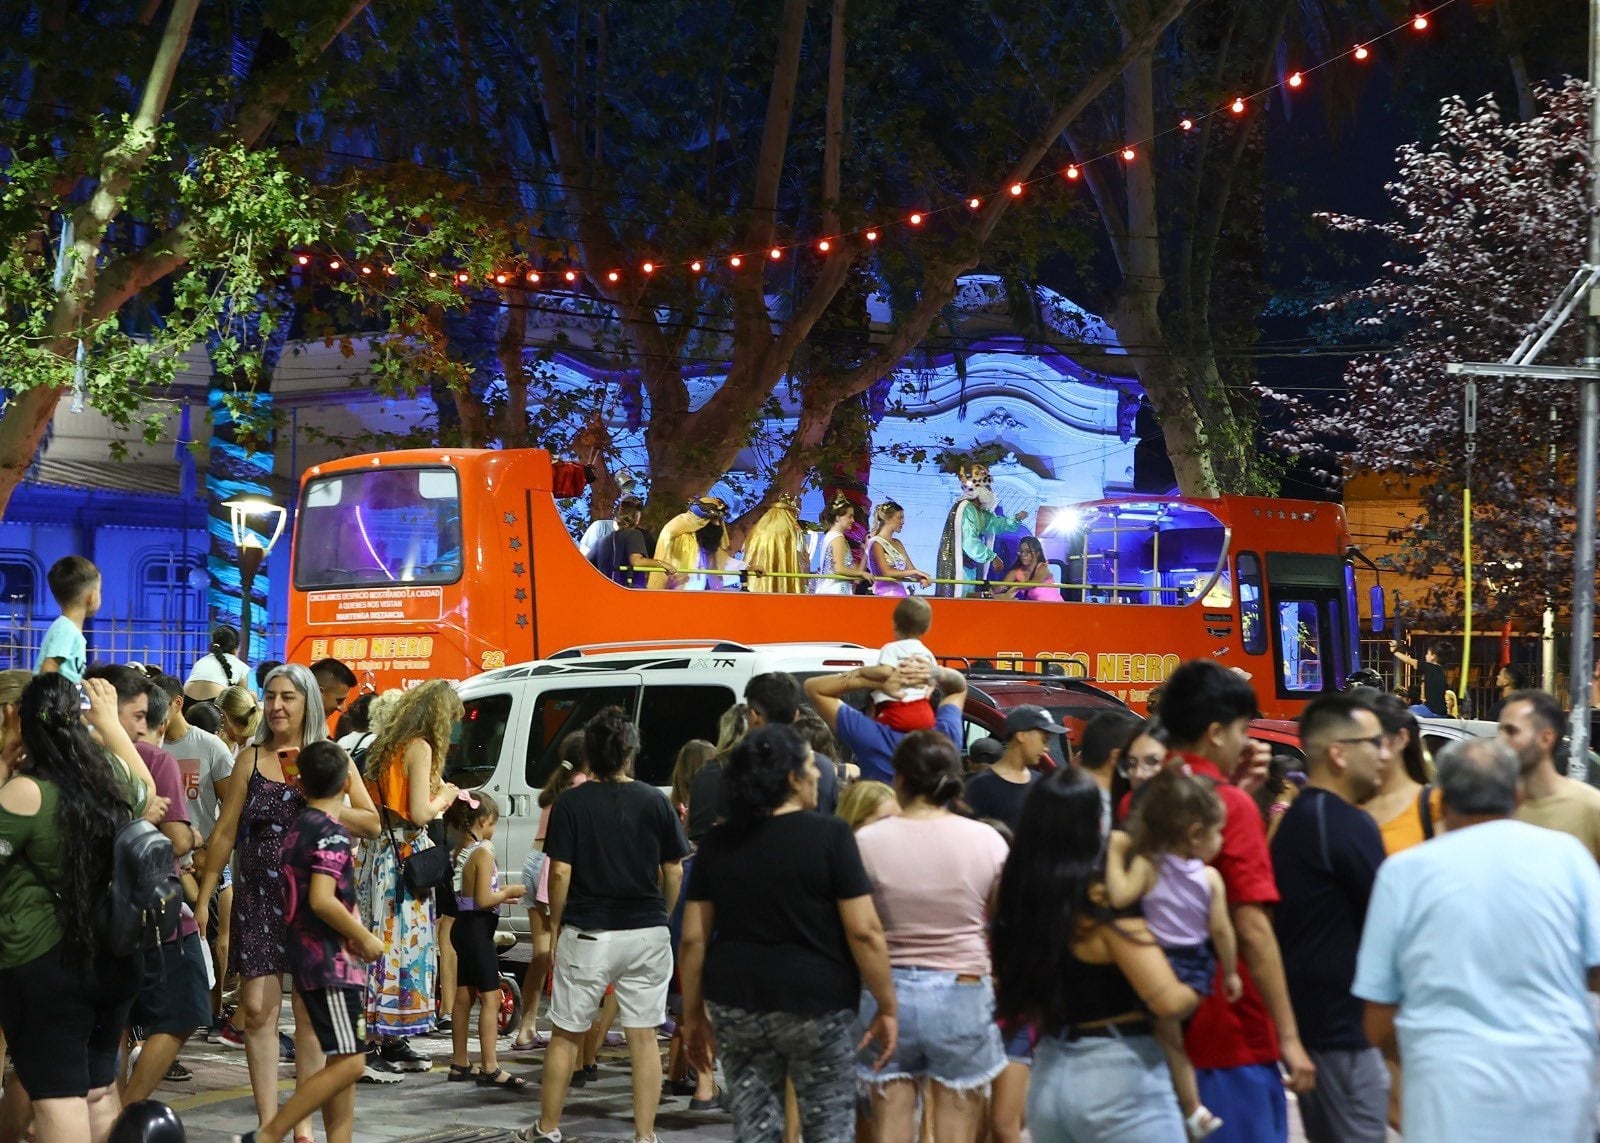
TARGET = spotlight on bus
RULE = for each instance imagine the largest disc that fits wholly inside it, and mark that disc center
(1064, 522)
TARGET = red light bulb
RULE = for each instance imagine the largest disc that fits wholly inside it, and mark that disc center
(304, 260)
(648, 267)
(613, 276)
(1016, 190)
(1237, 106)
(1073, 173)
(695, 266)
(334, 263)
(533, 277)
(463, 278)
(501, 279)
(775, 253)
(571, 275)
(1295, 80)
(915, 220)
(872, 236)
(390, 271)
(1127, 154)
(1186, 124)
(974, 203)
(736, 261)
(824, 246)
(1361, 52)
(1420, 23)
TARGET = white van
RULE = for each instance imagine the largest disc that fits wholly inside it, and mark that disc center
(517, 717)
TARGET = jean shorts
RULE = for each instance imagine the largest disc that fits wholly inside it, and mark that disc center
(947, 1031)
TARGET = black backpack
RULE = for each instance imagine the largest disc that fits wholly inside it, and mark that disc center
(144, 902)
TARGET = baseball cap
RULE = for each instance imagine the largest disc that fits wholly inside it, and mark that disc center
(1029, 717)
(986, 751)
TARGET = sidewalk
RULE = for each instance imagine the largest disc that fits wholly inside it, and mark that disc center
(424, 1108)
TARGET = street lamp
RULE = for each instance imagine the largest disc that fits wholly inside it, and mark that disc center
(247, 541)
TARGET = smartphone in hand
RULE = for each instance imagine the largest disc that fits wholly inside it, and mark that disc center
(289, 760)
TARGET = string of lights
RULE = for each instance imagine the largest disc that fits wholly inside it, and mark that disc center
(528, 276)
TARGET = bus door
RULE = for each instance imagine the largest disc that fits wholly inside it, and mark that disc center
(1310, 627)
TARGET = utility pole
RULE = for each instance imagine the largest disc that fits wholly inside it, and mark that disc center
(1583, 290)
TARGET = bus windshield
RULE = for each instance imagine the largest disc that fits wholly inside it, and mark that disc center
(1149, 552)
(389, 525)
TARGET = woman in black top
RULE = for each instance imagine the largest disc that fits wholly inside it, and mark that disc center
(778, 936)
(1089, 981)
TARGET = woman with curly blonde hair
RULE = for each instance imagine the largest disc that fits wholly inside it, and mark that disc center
(404, 764)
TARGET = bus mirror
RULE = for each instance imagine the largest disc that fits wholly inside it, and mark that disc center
(1379, 619)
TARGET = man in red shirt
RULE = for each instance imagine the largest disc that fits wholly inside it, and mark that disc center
(1236, 1048)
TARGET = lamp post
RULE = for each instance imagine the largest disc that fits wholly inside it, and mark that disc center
(252, 549)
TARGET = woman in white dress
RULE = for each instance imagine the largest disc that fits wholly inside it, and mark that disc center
(214, 673)
(833, 554)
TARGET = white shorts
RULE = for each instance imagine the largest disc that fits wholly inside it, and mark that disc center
(635, 963)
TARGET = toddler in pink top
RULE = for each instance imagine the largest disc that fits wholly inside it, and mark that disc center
(1175, 828)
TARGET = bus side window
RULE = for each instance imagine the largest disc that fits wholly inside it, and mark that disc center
(668, 717)
(560, 711)
(475, 741)
(1253, 629)
(1301, 639)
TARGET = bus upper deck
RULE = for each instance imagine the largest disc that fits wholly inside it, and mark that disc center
(442, 563)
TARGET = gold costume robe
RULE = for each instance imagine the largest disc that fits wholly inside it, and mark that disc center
(775, 545)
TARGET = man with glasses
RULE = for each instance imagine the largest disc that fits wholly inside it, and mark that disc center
(1326, 855)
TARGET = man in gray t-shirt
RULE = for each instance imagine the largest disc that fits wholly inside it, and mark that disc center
(203, 758)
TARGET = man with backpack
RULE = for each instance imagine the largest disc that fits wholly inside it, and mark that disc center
(174, 996)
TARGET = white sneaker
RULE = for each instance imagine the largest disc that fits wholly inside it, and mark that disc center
(379, 1070)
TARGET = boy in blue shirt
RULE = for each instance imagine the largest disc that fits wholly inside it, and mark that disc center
(75, 584)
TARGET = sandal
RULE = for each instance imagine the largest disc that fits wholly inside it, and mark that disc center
(501, 1079)
(461, 1073)
(540, 1040)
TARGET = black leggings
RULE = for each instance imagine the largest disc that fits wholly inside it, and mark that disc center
(477, 962)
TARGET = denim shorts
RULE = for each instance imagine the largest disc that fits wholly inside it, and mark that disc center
(947, 1031)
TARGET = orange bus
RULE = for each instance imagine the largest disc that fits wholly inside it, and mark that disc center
(424, 564)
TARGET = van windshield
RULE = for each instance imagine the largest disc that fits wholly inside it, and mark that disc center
(383, 526)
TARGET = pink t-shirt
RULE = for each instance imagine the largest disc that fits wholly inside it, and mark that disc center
(931, 882)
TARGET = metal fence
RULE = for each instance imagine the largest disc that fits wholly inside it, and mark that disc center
(1527, 657)
(173, 647)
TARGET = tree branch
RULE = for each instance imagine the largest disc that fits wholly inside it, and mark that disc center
(257, 116)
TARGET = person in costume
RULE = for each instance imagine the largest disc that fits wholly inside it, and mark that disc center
(887, 560)
(776, 544)
(967, 545)
(835, 556)
(694, 539)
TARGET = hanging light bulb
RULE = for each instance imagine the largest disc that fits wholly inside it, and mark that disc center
(1295, 80)
(1420, 23)
(501, 279)
(915, 220)
(1128, 154)
(648, 267)
(463, 278)
(304, 259)
(824, 246)
(1073, 173)
(613, 276)
(334, 263)
(533, 277)
(695, 266)
(390, 271)
(736, 261)
(974, 203)
(1186, 124)
(872, 236)
(776, 253)
(1237, 106)
(1361, 52)
(1016, 190)
(571, 275)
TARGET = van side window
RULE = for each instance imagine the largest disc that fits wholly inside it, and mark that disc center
(475, 741)
(669, 717)
(559, 712)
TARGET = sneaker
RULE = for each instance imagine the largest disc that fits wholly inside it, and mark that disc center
(444, 1024)
(379, 1070)
(285, 1048)
(403, 1057)
(177, 1073)
(534, 1135)
(230, 1037)
(247, 1137)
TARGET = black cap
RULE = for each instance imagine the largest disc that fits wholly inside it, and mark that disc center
(1029, 717)
(986, 751)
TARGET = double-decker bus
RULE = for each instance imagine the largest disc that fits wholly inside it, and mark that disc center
(424, 564)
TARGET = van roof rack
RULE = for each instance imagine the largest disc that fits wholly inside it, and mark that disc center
(717, 645)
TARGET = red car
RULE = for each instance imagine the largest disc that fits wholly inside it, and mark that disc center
(1071, 702)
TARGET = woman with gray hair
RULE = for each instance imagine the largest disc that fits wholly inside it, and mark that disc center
(262, 802)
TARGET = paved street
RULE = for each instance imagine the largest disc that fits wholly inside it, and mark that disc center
(424, 1108)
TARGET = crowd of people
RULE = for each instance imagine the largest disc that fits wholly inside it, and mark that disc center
(866, 930)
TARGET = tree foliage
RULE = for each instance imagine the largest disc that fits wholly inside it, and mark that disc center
(1491, 223)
